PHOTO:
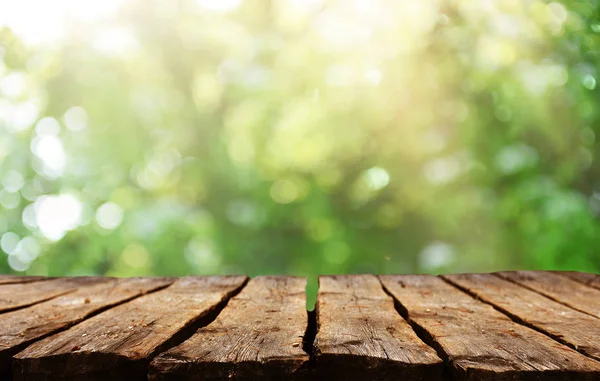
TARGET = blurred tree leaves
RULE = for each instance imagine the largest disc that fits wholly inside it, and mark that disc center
(304, 138)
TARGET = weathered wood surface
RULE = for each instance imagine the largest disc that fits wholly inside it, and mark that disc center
(592, 280)
(16, 295)
(8, 279)
(517, 326)
(576, 329)
(118, 344)
(560, 288)
(22, 327)
(259, 335)
(480, 343)
(361, 336)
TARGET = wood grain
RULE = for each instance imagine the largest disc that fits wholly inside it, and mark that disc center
(14, 296)
(257, 336)
(480, 343)
(10, 279)
(361, 336)
(560, 288)
(592, 280)
(576, 329)
(118, 343)
(22, 327)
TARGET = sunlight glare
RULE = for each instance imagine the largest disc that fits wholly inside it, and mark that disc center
(40, 22)
(19, 117)
(56, 215)
(49, 149)
(222, 6)
(13, 85)
(117, 42)
(47, 126)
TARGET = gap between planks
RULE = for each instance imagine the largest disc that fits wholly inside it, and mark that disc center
(425, 337)
(552, 289)
(68, 355)
(308, 344)
(458, 362)
(594, 353)
(26, 326)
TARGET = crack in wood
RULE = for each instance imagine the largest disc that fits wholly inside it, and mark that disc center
(523, 279)
(519, 320)
(348, 336)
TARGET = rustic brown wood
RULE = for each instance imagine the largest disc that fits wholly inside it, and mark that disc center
(480, 343)
(257, 336)
(22, 327)
(90, 329)
(361, 336)
(592, 280)
(560, 288)
(14, 296)
(9, 279)
(576, 329)
(118, 344)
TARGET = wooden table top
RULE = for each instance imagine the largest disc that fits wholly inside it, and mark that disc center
(523, 325)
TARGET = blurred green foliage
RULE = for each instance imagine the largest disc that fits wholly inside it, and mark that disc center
(176, 137)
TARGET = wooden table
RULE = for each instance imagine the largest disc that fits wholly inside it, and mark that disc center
(521, 325)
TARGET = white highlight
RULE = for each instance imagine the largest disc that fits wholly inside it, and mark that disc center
(435, 255)
(222, 6)
(47, 126)
(109, 216)
(56, 215)
(41, 22)
(377, 178)
(13, 85)
(76, 118)
(9, 242)
(13, 181)
(49, 149)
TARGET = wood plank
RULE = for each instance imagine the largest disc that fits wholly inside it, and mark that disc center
(562, 289)
(480, 343)
(361, 336)
(22, 327)
(592, 280)
(10, 279)
(117, 344)
(576, 329)
(257, 336)
(14, 296)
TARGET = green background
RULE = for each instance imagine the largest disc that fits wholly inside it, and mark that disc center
(300, 137)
